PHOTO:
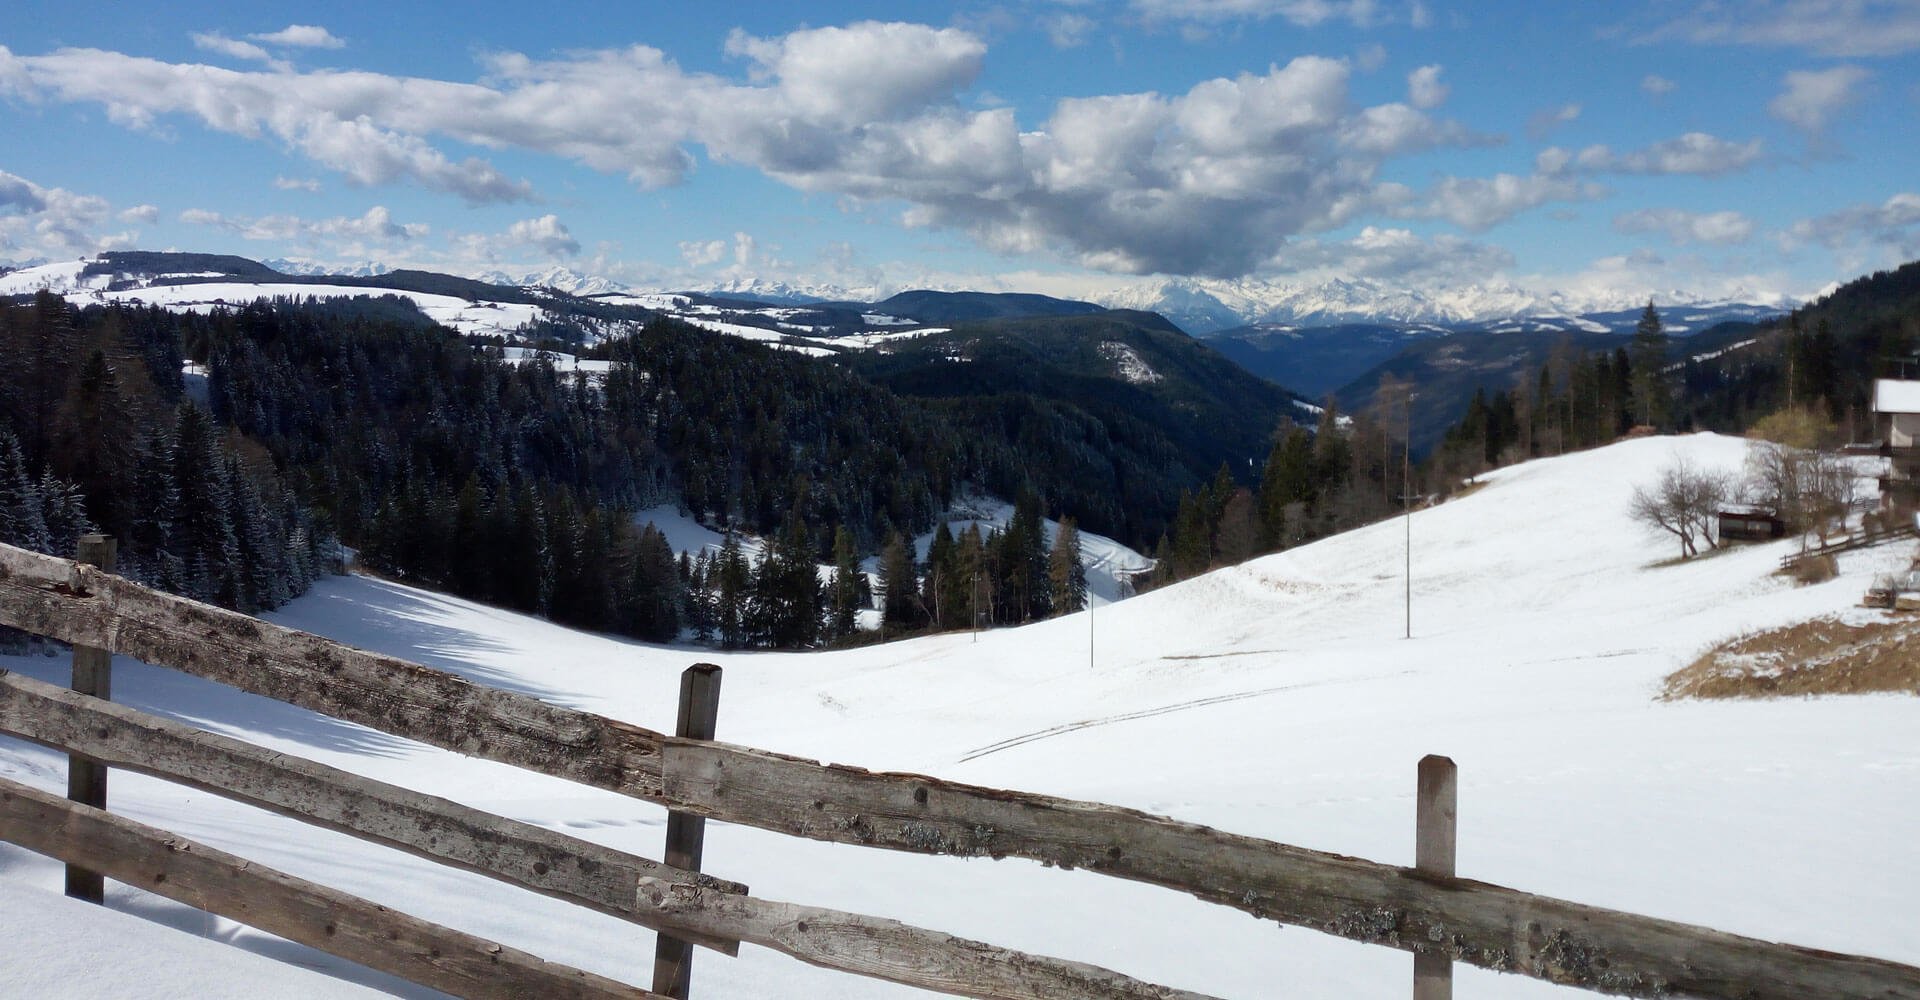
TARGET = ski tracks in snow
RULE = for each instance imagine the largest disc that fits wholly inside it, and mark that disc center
(1147, 713)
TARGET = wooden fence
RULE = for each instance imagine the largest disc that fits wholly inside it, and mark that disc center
(1426, 909)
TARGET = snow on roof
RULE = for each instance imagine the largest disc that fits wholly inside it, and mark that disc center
(1896, 396)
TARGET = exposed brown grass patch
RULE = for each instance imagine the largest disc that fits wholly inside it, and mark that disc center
(1822, 656)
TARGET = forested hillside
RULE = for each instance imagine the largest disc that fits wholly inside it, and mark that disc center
(446, 462)
(97, 434)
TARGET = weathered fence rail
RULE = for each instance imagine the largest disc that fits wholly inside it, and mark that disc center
(1850, 543)
(1424, 910)
(278, 903)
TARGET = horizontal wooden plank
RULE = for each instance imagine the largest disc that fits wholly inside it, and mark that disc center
(314, 915)
(610, 881)
(887, 949)
(423, 825)
(1484, 925)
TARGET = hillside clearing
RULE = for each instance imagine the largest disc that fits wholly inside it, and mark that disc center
(1275, 699)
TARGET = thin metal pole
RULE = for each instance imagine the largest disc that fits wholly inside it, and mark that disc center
(1406, 499)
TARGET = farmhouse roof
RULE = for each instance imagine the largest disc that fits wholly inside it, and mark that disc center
(1896, 396)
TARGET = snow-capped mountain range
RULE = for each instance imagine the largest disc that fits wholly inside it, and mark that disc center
(1203, 306)
(1206, 305)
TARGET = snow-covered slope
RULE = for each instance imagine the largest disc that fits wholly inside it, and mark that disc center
(1275, 699)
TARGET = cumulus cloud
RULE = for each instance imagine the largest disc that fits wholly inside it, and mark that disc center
(1655, 85)
(219, 43)
(307, 184)
(377, 227)
(1889, 229)
(546, 234)
(1838, 28)
(1692, 153)
(1068, 31)
(1479, 203)
(1811, 98)
(326, 116)
(304, 36)
(1390, 255)
(1302, 13)
(51, 221)
(1208, 181)
(703, 253)
(1424, 89)
(1683, 227)
(145, 214)
(1544, 121)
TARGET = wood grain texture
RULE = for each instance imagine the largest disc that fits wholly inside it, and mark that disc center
(301, 911)
(886, 949)
(1485, 925)
(1435, 839)
(686, 833)
(564, 867)
(92, 675)
(427, 826)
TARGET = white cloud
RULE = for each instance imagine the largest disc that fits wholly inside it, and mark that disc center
(1478, 203)
(345, 233)
(296, 184)
(51, 221)
(704, 253)
(547, 234)
(1655, 85)
(1397, 256)
(1068, 31)
(305, 36)
(1683, 227)
(1691, 153)
(145, 214)
(1544, 121)
(1301, 13)
(1424, 89)
(1811, 98)
(1211, 181)
(1837, 28)
(216, 42)
(1884, 233)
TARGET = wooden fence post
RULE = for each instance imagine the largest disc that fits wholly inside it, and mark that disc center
(92, 675)
(686, 833)
(1433, 853)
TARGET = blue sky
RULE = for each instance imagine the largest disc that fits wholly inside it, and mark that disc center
(1068, 147)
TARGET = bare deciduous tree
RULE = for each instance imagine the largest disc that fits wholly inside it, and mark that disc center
(1811, 490)
(1684, 503)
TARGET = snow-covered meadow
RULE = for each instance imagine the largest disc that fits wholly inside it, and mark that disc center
(1276, 699)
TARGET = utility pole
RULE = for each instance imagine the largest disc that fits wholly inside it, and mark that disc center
(1406, 498)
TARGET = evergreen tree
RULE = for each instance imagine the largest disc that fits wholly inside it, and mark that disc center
(899, 586)
(732, 600)
(23, 519)
(1652, 390)
(203, 537)
(1066, 574)
(844, 602)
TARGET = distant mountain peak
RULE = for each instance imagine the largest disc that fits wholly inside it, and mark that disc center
(1206, 305)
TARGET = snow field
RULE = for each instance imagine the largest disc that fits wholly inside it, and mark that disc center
(1276, 699)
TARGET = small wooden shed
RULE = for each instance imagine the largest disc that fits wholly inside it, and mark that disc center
(1750, 524)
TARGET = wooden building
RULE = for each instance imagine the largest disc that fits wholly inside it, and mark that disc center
(1750, 524)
